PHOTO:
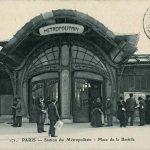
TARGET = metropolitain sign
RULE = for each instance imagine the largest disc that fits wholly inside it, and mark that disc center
(61, 28)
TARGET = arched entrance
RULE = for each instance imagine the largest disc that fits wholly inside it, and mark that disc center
(65, 42)
(70, 72)
(87, 87)
(45, 85)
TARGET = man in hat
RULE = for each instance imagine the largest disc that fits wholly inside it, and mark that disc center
(53, 117)
(122, 112)
(40, 115)
(18, 113)
(109, 112)
(131, 104)
(14, 111)
(147, 111)
(142, 107)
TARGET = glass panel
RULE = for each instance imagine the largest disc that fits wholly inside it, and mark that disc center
(49, 50)
(74, 47)
(55, 49)
(100, 67)
(37, 91)
(37, 63)
(52, 62)
(48, 89)
(50, 56)
(91, 63)
(41, 55)
(81, 92)
(51, 89)
(74, 53)
(78, 60)
(86, 62)
(96, 58)
(82, 49)
(90, 53)
(94, 61)
(34, 61)
(56, 54)
(45, 63)
(43, 59)
(88, 57)
(80, 55)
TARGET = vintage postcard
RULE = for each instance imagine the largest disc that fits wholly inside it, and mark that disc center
(74, 74)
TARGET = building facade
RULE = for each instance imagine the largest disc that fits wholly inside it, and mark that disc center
(66, 55)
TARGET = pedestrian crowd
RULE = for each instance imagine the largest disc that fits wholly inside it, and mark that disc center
(99, 112)
(41, 110)
(125, 111)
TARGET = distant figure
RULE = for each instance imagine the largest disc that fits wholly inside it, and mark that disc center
(122, 112)
(14, 111)
(47, 102)
(96, 114)
(40, 115)
(109, 112)
(131, 104)
(18, 113)
(147, 111)
(53, 116)
(142, 107)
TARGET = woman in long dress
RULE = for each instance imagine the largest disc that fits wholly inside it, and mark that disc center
(96, 114)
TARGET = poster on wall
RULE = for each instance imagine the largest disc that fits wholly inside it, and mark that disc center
(50, 42)
(136, 95)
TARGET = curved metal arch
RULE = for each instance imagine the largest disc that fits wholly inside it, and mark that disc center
(83, 67)
(59, 40)
(40, 70)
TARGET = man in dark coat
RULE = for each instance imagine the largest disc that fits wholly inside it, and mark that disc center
(14, 111)
(109, 112)
(122, 112)
(53, 117)
(147, 111)
(131, 104)
(142, 107)
(40, 115)
(19, 113)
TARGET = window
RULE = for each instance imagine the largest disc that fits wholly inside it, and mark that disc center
(84, 56)
(50, 56)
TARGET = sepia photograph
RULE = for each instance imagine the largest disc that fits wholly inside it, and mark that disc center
(74, 75)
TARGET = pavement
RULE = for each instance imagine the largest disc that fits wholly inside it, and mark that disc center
(75, 136)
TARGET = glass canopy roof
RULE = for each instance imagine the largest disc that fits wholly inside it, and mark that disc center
(83, 56)
(79, 56)
(49, 57)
